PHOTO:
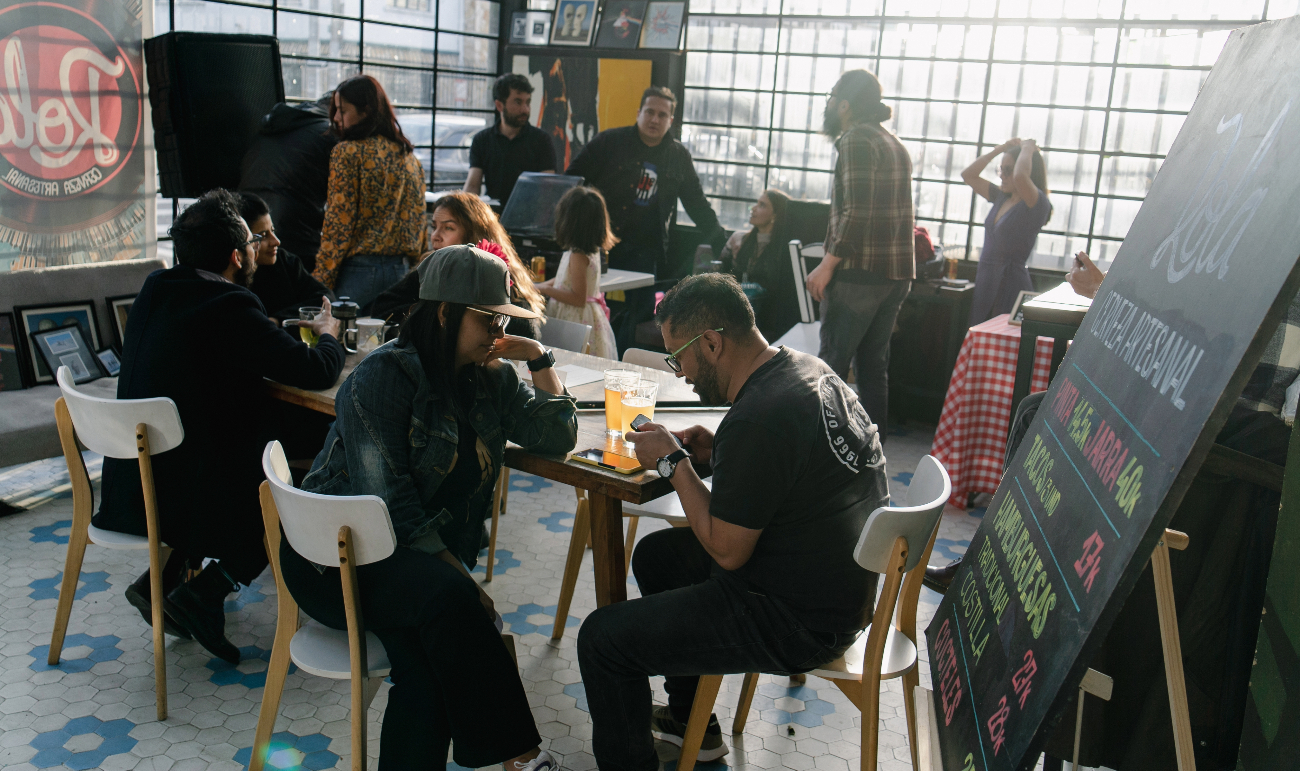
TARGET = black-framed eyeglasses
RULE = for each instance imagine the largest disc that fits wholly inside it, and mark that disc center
(253, 238)
(671, 358)
(498, 322)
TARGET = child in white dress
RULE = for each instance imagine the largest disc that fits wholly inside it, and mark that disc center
(582, 228)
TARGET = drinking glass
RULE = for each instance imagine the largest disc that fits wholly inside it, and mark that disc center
(638, 399)
(615, 381)
(370, 334)
(308, 314)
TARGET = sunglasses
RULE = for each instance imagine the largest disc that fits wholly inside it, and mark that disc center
(497, 325)
(676, 365)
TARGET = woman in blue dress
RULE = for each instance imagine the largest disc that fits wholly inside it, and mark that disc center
(1020, 209)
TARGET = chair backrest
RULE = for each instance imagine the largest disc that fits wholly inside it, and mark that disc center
(311, 522)
(799, 254)
(643, 358)
(926, 496)
(565, 335)
(107, 426)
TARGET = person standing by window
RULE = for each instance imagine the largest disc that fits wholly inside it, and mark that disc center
(1020, 209)
(511, 146)
(374, 211)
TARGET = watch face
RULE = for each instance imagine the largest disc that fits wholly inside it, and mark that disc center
(665, 467)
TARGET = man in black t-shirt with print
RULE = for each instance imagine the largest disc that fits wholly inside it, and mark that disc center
(501, 152)
(764, 578)
(642, 172)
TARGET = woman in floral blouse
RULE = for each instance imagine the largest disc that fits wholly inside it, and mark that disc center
(374, 212)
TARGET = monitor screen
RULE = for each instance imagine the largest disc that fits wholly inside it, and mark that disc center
(531, 208)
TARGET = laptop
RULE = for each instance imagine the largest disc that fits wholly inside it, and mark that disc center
(530, 212)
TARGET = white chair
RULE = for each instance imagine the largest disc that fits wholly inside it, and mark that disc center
(648, 359)
(799, 256)
(334, 530)
(114, 428)
(565, 335)
(885, 651)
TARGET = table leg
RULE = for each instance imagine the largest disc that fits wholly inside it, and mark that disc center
(607, 548)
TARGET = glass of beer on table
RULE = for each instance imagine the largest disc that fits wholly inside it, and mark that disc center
(306, 315)
(638, 399)
(615, 381)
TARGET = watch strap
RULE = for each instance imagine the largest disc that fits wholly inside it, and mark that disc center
(547, 359)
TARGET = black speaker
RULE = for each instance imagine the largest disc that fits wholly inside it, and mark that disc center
(208, 95)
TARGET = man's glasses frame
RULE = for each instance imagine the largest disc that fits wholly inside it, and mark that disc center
(253, 238)
(673, 363)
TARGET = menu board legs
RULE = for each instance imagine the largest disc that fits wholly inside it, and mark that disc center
(1173, 648)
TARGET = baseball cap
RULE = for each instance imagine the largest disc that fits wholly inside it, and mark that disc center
(469, 276)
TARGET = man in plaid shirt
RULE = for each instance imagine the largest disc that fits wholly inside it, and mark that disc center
(869, 266)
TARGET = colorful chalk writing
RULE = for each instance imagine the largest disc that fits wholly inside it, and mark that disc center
(970, 762)
(1020, 552)
(946, 665)
(1089, 563)
(998, 725)
(972, 609)
(1162, 357)
(1038, 465)
(1130, 487)
(993, 582)
(1023, 680)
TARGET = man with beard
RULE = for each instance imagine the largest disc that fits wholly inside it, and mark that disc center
(198, 336)
(869, 266)
(764, 579)
(506, 149)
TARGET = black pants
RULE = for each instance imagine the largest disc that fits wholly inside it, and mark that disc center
(692, 620)
(638, 307)
(454, 682)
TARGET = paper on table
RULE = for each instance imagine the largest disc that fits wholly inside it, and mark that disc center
(571, 375)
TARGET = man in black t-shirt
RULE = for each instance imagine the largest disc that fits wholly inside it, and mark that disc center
(642, 172)
(506, 149)
(764, 578)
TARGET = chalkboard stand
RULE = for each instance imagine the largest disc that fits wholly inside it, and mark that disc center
(1173, 648)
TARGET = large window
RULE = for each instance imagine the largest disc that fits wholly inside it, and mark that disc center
(1102, 85)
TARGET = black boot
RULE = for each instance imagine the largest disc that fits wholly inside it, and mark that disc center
(140, 595)
(199, 606)
(939, 579)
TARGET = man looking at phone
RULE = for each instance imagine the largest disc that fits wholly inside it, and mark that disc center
(764, 579)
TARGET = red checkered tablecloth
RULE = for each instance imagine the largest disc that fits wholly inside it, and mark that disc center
(971, 439)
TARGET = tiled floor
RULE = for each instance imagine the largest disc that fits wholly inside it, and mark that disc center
(96, 709)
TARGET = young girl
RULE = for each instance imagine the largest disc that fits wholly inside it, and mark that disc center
(582, 228)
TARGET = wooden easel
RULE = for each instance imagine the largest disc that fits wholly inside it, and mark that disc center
(1100, 685)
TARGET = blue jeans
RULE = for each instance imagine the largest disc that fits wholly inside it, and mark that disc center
(363, 276)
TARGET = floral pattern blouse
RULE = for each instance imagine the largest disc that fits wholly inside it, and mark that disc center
(375, 205)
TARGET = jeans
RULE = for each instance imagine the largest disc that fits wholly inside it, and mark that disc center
(454, 682)
(857, 322)
(692, 619)
(363, 276)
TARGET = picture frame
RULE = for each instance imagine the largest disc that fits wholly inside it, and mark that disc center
(12, 372)
(1017, 312)
(119, 308)
(621, 23)
(111, 361)
(66, 346)
(574, 23)
(537, 28)
(38, 318)
(663, 25)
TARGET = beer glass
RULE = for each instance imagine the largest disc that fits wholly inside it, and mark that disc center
(615, 381)
(638, 399)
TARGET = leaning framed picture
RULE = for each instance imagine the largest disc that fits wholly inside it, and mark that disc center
(1017, 310)
(620, 24)
(663, 25)
(67, 347)
(574, 23)
(119, 308)
(39, 318)
(111, 361)
(11, 363)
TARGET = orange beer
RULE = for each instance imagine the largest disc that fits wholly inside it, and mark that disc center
(615, 381)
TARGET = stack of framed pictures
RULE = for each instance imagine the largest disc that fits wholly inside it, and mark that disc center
(35, 340)
(621, 24)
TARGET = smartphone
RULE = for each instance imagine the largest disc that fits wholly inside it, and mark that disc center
(608, 460)
(638, 421)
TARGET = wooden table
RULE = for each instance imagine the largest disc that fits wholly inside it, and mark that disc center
(606, 490)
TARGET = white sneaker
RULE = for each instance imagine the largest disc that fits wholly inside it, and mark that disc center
(543, 762)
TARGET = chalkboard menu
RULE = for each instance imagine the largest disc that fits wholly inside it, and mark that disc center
(1195, 292)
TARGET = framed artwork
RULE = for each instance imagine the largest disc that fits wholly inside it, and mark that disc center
(620, 24)
(574, 23)
(663, 25)
(1017, 312)
(11, 363)
(39, 318)
(109, 358)
(67, 347)
(530, 28)
(120, 308)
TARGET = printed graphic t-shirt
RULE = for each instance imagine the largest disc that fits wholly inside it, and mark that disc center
(627, 171)
(798, 457)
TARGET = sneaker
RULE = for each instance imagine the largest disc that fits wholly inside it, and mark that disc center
(667, 728)
(139, 597)
(543, 762)
(206, 623)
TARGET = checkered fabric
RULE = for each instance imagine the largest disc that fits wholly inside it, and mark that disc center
(1266, 389)
(972, 435)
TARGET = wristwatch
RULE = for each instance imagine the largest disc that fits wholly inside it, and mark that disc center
(547, 359)
(668, 464)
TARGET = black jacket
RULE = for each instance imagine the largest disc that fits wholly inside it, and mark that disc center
(207, 344)
(286, 286)
(288, 165)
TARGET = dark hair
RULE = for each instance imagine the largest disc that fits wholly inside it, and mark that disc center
(208, 230)
(662, 93)
(582, 222)
(251, 207)
(780, 237)
(436, 346)
(707, 301)
(1037, 169)
(861, 90)
(511, 81)
(366, 94)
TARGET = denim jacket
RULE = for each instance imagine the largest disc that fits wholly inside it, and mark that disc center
(392, 437)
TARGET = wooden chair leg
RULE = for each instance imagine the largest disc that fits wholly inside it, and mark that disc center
(498, 501)
(629, 542)
(287, 619)
(577, 541)
(911, 679)
(144, 456)
(706, 693)
(870, 720)
(81, 509)
(67, 590)
(356, 647)
(746, 701)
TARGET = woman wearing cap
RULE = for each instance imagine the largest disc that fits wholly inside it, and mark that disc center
(422, 423)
